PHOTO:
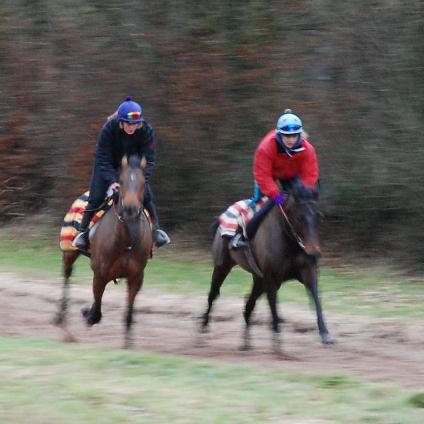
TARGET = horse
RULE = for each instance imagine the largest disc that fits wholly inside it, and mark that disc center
(120, 247)
(285, 246)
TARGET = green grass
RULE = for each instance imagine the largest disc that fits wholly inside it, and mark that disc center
(373, 292)
(49, 382)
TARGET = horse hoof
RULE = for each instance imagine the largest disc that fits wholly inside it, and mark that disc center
(58, 320)
(90, 320)
(69, 338)
(203, 327)
(246, 346)
(85, 312)
(128, 345)
(327, 339)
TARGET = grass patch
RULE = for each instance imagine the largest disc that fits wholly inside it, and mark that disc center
(51, 382)
(417, 400)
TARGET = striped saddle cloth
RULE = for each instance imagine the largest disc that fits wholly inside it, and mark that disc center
(238, 216)
(73, 217)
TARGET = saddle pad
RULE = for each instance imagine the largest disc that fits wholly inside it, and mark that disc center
(72, 220)
(238, 216)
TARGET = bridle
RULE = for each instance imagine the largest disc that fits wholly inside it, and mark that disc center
(293, 232)
(122, 220)
(120, 216)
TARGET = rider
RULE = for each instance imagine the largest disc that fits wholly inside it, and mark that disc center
(283, 154)
(125, 133)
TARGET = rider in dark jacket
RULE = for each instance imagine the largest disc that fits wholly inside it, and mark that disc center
(125, 133)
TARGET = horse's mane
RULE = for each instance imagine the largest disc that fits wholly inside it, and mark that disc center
(303, 193)
(307, 194)
(134, 161)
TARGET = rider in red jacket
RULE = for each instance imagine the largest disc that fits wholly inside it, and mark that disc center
(283, 155)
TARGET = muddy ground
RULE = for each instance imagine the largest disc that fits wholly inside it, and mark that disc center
(382, 350)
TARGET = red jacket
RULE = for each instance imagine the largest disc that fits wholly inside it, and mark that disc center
(271, 164)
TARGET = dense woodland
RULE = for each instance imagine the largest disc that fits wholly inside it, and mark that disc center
(213, 77)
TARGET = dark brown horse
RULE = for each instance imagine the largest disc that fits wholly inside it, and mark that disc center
(285, 246)
(120, 247)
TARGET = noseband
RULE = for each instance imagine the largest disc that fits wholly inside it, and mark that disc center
(120, 217)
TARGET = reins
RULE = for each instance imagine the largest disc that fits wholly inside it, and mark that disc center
(292, 230)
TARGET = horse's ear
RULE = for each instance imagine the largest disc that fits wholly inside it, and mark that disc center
(124, 162)
(143, 163)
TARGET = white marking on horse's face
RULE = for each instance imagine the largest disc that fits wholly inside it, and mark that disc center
(132, 176)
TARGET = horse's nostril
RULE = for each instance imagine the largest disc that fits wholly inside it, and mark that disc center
(314, 252)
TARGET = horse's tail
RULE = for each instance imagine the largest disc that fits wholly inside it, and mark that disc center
(214, 226)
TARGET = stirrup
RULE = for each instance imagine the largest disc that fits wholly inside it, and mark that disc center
(238, 241)
(160, 237)
(81, 241)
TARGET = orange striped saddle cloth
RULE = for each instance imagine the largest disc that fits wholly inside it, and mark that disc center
(73, 217)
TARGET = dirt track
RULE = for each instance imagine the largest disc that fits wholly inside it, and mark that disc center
(379, 350)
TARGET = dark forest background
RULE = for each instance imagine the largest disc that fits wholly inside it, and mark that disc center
(213, 77)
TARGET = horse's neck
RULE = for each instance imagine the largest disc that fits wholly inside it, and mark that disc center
(277, 227)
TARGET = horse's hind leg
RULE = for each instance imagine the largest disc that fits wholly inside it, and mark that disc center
(134, 285)
(272, 301)
(218, 276)
(93, 315)
(68, 260)
(257, 290)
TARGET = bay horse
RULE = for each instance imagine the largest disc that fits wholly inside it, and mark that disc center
(120, 247)
(285, 246)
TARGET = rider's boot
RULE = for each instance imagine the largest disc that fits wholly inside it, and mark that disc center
(159, 236)
(81, 240)
(238, 241)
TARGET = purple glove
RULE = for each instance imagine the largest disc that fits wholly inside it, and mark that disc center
(279, 199)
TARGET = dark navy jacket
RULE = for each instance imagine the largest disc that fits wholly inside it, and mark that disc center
(113, 144)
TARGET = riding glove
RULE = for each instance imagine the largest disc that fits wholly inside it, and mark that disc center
(279, 199)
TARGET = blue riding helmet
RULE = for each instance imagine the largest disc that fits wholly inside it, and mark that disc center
(130, 111)
(289, 123)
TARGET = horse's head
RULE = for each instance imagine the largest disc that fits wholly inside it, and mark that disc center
(303, 216)
(131, 187)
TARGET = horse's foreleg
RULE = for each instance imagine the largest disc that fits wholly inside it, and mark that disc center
(94, 314)
(218, 277)
(323, 331)
(257, 290)
(134, 285)
(309, 279)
